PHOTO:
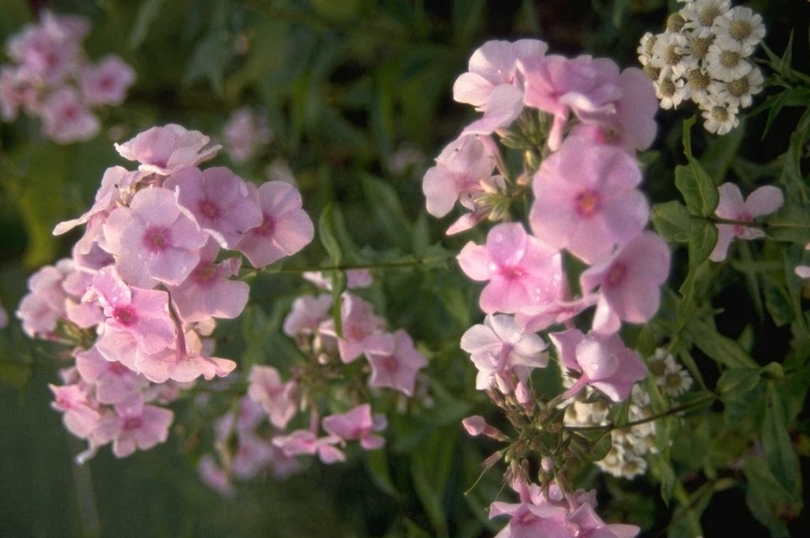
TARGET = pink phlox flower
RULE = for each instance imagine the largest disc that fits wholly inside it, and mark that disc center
(285, 227)
(590, 525)
(586, 200)
(603, 361)
(208, 291)
(144, 314)
(306, 315)
(532, 517)
(253, 455)
(50, 50)
(244, 133)
(115, 180)
(558, 85)
(394, 361)
(134, 425)
(66, 119)
(216, 199)
(629, 282)
(304, 442)
(359, 323)
(107, 82)
(15, 92)
(358, 424)
(540, 317)
(80, 412)
(83, 314)
(459, 171)
(214, 476)
(498, 348)
(355, 278)
(763, 201)
(44, 305)
(522, 271)
(168, 149)
(183, 362)
(113, 382)
(476, 425)
(152, 240)
(278, 399)
(632, 125)
(492, 84)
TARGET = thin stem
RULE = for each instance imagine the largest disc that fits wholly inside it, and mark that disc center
(731, 222)
(416, 262)
(610, 427)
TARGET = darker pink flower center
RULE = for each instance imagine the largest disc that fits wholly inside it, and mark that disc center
(156, 239)
(209, 209)
(390, 363)
(204, 275)
(106, 83)
(267, 227)
(133, 423)
(587, 203)
(125, 315)
(116, 368)
(616, 275)
(512, 273)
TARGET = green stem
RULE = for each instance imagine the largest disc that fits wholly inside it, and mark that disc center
(731, 222)
(415, 262)
(709, 398)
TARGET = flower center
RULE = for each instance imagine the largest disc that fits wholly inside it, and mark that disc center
(667, 88)
(616, 275)
(675, 22)
(133, 423)
(699, 46)
(739, 87)
(512, 273)
(156, 239)
(204, 274)
(125, 315)
(707, 15)
(391, 364)
(698, 80)
(208, 209)
(652, 72)
(740, 30)
(588, 203)
(267, 227)
(672, 55)
(729, 58)
(719, 113)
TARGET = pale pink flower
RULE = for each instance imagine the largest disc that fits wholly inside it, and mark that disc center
(208, 291)
(459, 171)
(763, 201)
(629, 282)
(603, 361)
(168, 149)
(521, 270)
(277, 398)
(803, 271)
(134, 425)
(586, 200)
(358, 323)
(217, 200)
(590, 525)
(113, 381)
(66, 119)
(304, 442)
(394, 361)
(357, 424)
(307, 314)
(499, 348)
(183, 362)
(492, 84)
(152, 240)
(215, 476)
(285, 228)
(44, 305)
(244, 133)
(559, 86)
(107, 82)
(81, 414)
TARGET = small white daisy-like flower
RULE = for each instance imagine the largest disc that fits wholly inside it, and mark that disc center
(677, 382)
(728, 62)
(698, 47)
(739, 92)
(668, 53)
(645, 47)
(697, 85)
(666, 89)
(720, 117)
(740, 25)
(701, 14)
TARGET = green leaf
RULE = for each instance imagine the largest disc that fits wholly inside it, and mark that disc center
(337, 10)
(702, 239)
(790, 223)
(779, 303)
(662, 470)
(720, 348)
(766, 497)
(384, 203)
(377, 465)
(468, 16)
(428, 496)
(697, 187)
(791, 177)
(722, 150)
(671, 221)
(787, 58)
(735, 382)
(148, 11)
(779, 453)
(209, 60)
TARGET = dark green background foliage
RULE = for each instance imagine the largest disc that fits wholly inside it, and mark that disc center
(346, 83)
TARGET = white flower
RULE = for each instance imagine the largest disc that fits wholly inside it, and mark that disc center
(668, 52)
(739, 92)
(701, 14)
(720, 117)
(740, 25)
(667, 91)
(645, 47)
(728, 62)
(697, 85)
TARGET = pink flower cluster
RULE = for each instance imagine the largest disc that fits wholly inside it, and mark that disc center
(53, 80)
(551, 514)
(245, 133)
(581, 122)
(149, 277)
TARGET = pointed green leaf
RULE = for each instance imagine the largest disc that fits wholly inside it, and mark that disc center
(697, 187)
(779, 453)
(720, 348)
(671, 221)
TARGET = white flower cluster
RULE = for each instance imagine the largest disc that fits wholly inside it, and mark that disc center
(704, 56)
(626, 457)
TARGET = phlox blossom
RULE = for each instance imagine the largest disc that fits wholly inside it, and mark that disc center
(66, 119)
(107, 82)
(358, 423)
(763, 201)
(586, 200)
(522, 271)
(168, 149)
(133, 425)
(394, 361)
(305, 442)
(277, 398)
